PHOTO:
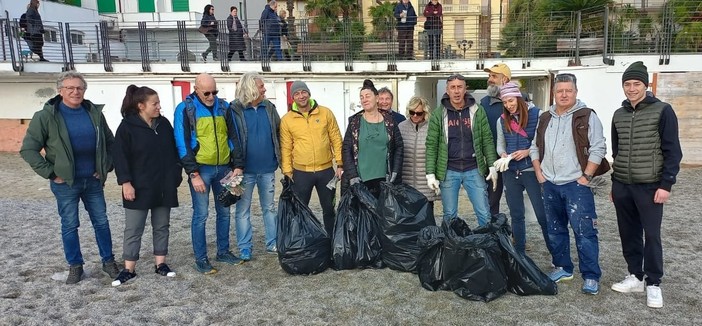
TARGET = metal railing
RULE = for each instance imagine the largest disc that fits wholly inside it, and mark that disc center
(522, 33)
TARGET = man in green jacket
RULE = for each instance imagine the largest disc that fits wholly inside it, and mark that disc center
(77, 143)
(460, 151)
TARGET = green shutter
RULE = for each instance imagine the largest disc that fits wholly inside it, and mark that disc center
(180, 5)
(107, 6)
(73, 2)
(147, 6)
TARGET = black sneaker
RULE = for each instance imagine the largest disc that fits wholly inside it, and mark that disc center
(163, 270)
(124, 276)
(75, 274)
(204, 56)
(110, 267)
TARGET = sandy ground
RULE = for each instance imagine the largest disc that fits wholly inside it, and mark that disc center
(259, 292)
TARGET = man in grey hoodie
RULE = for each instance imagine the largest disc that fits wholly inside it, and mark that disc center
(567, 197)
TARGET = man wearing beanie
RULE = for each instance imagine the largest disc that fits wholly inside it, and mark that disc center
(310, 144)
(498, 75)
(644, 135)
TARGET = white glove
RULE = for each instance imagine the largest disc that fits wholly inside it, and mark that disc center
(433, 184)
(502, 164)
(493, 177)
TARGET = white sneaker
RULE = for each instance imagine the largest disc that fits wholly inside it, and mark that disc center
(654, 296)
(629, 284)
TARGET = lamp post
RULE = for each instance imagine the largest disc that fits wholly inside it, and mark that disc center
(464, 45)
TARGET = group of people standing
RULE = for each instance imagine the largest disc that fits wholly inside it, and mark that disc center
(503, 141)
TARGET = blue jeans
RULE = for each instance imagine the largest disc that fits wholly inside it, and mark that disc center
(266, 191)
(515, 184)
(574, 204)
(90, 191)
(272, 45)
(476, 189)
(210, 174)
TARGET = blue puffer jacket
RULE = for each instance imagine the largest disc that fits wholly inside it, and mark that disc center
(270, 22)
(515, 142)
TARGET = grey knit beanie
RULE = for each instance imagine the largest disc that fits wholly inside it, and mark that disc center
(299, 85)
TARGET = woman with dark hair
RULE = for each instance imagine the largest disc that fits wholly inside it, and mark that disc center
(147, 166)
(372, 134)
(209, 24)
(236, 35)
(515, 131)
(35, 29)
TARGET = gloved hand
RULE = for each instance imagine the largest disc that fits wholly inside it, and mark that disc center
(393, 176)
(433, 184)
(502, 164)
(354, 181)
(493, 177)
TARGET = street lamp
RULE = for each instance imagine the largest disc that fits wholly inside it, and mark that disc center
(464, 45)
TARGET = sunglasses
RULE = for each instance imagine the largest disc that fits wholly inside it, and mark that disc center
(213, 93)
(416, 113)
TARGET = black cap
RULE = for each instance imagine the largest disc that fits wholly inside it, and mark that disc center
(636, 71)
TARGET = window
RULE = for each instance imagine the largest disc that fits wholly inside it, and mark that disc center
(76, 39)
(50, 35)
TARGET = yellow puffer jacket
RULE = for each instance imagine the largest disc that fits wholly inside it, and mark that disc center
(309, 143)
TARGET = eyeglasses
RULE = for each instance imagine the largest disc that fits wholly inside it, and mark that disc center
(72, 89)
(213, 93)
(416, 113)
(456, 76)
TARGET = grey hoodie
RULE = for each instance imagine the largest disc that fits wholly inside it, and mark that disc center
(560, 162)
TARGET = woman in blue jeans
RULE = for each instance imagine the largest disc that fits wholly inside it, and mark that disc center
(515, 131)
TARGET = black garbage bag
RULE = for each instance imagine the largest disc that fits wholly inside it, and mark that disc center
(404, 211)
(430, 258)
(356, 240)
(523, 276)
(472, 264)
(303, 245)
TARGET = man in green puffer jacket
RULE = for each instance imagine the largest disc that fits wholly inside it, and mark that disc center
(77, 143)
(460, 151)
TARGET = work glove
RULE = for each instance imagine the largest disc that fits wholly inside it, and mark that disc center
(597, 185)
(433, 184)
(493, 177)
(392, 177)
(354, 181)
(502, 164)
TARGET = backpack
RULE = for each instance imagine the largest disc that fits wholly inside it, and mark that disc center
(581, 126)
(23, 21)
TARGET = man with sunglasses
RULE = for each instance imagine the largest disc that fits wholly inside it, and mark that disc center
(460, 151)
(565, 155)
(202, 135)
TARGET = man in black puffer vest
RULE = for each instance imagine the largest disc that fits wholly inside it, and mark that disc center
(647, 155)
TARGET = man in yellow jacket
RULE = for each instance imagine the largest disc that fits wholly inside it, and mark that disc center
(310, 142)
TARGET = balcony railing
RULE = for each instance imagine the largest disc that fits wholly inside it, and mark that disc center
(602, 31)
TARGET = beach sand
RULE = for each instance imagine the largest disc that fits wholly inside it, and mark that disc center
(32, 290)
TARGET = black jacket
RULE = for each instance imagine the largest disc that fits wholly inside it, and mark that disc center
(236, 37)
(149, 160)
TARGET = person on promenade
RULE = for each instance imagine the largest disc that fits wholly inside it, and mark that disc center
(209, 25)
(77, 155)
(371, 134)
(35, 30)
(499, 75)
(310, 142)
(207, 153)
(385, 99)
(460, 151)
(148, 168)
(237, 35)
(406, 20)
(516, 128)
(270, 26)
(434, 25)
(647, 155)
(284, 35)
(565, 155)
(414, 136)
(258, 124)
